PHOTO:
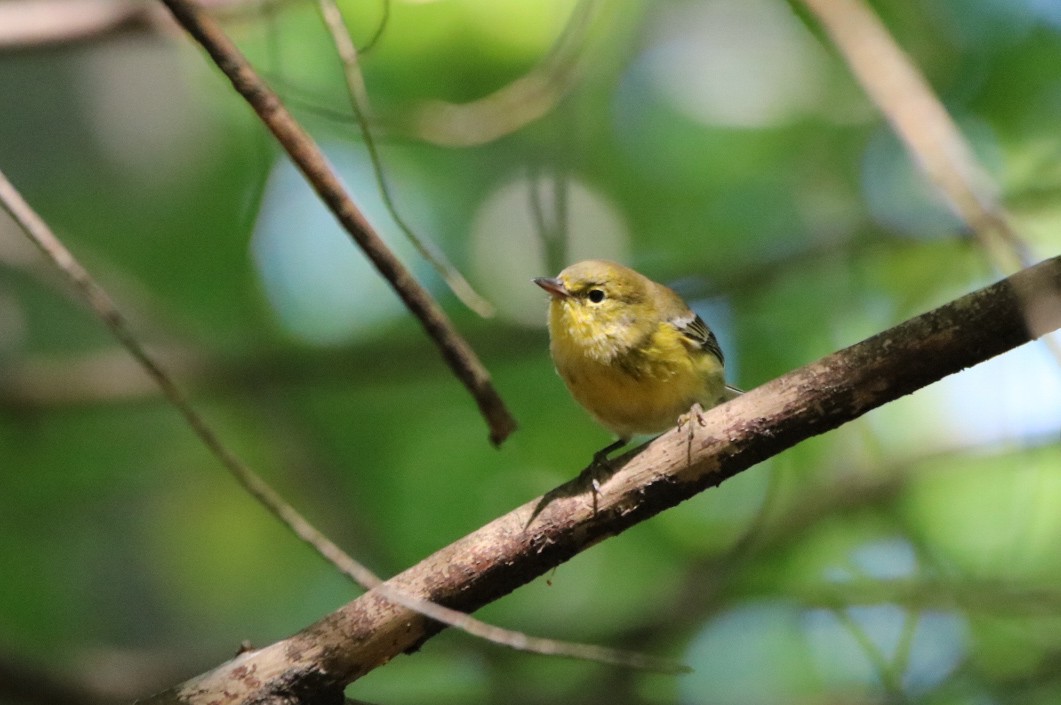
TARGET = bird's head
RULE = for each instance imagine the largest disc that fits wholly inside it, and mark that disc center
(600, 306)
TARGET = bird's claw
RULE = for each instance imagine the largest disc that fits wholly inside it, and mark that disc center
(686, 420)
(694, 412)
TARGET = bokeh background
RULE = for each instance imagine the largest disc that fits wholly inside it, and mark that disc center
(721, 146)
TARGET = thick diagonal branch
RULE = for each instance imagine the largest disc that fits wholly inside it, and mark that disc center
(529, 541)
(307, 156)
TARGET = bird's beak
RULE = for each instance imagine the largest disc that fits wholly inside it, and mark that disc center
(555, 287)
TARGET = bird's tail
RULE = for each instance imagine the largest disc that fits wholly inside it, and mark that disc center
(731, 392)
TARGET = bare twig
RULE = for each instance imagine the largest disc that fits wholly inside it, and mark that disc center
(878, 660)
(355, 84)
(41, 235)
(384, 20)
(552, 228)
(309, 159)
(506, 553)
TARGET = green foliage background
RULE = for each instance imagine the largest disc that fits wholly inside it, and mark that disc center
(910, 556)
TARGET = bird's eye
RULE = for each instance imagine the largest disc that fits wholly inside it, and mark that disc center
(596, 295)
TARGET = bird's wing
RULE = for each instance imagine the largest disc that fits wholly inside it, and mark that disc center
(694, 329)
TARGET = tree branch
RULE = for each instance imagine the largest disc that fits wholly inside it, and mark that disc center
(311, 162)
(527, 542)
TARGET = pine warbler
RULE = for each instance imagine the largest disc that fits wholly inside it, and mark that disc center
(630, 351)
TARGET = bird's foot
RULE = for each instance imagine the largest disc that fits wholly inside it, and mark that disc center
(600, 468)
(686, 420)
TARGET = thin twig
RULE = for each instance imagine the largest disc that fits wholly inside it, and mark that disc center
(551, 228)
(311, 162)
(103, 306)
(905, 647)
(348, 55)
(355, 84)
(101, 303)
(889, 670)
(380, 28)
(878, 661)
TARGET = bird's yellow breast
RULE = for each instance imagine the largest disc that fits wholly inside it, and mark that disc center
(631, 386)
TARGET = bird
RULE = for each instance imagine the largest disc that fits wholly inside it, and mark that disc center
(631, 351)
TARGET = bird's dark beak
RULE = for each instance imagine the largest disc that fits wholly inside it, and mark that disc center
(555, 287)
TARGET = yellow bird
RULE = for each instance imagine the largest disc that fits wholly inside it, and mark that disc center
(630, 350)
